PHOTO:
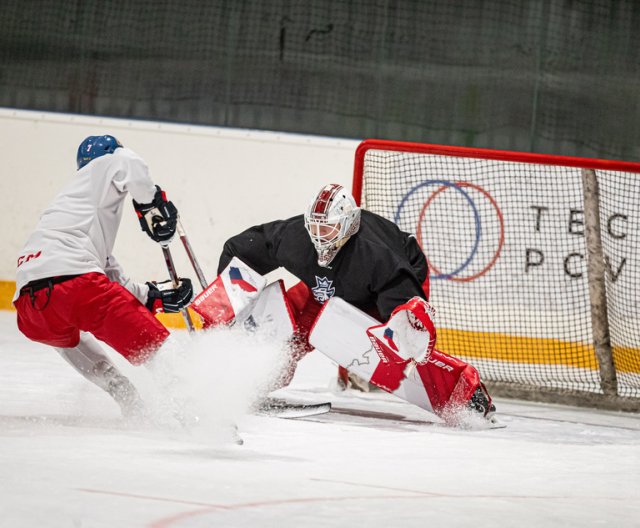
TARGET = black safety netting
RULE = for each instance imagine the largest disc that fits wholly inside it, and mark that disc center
(557, 77)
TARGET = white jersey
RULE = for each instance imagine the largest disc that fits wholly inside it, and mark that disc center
(76, 233)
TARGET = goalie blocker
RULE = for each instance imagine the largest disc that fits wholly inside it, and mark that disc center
(239, 295)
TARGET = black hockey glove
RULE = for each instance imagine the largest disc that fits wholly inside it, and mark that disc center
(159, 218)
(163, 297)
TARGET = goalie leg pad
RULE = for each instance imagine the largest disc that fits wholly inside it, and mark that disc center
(357, 342)
(272, 314)
(340, 332)
(305, 310)
(450, 382)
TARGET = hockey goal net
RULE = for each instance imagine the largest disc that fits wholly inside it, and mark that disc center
(534, 262)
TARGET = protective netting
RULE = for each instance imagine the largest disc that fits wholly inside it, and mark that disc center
(505, 241)
(548, 76)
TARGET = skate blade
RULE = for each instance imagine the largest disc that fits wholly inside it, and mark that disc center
(495, 423)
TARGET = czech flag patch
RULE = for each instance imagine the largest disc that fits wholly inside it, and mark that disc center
(236, 278)
(388, 335)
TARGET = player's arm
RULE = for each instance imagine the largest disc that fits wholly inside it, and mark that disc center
(158, 218)
(130, 174)
(156, 296)
(400, 285)
(113, 270)
(157, 215)
(255, 247)
(416, 258)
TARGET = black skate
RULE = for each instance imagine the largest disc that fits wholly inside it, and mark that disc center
(480, 402)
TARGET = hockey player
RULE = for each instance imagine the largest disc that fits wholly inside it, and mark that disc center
(69, 286)
(337, 249)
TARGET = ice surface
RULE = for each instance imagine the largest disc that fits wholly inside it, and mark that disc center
(67, 459)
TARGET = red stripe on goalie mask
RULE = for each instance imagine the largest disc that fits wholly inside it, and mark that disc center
(324, 199)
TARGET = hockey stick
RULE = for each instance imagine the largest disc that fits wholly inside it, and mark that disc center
(176, 282)
(191, 255)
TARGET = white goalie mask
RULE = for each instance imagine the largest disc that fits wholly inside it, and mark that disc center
(331, 219)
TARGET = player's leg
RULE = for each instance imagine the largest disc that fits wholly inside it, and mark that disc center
(458, 382)
(89, 359)
(45, 314)
(450, 383)
(305, 309)
(399, 357)
(113, 315)
(42, 316)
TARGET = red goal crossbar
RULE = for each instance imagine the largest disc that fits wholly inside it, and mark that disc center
(467, 152)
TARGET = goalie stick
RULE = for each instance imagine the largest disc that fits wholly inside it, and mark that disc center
(347, 415)
(282, 408)
(192, 257)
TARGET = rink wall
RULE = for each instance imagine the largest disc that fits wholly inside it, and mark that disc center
(222, 180)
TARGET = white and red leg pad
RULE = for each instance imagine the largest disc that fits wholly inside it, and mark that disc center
(358, 343)
(272, 314)
(231, 296)
(450, 382)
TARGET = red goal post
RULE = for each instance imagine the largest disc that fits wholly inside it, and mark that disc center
(534, 259)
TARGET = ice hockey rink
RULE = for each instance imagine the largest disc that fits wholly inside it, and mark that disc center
(67, 459)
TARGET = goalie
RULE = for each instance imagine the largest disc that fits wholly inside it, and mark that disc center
(372, 272)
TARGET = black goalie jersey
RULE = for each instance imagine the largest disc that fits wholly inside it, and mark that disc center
(379, 268)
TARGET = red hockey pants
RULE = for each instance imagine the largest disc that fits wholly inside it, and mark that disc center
(90, 303)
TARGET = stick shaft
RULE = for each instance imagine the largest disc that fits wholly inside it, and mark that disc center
(176, 281)
(191, 255)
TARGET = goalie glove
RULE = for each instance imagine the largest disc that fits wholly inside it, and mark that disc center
(159, 218)
(409, 335)
(163, 297)
(415, 329)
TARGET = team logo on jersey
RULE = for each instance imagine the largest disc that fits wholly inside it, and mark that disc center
(323, 291)
(27, 258)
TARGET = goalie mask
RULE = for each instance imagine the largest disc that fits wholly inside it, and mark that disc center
(331, 219)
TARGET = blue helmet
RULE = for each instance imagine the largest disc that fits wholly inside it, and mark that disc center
(95, 146)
